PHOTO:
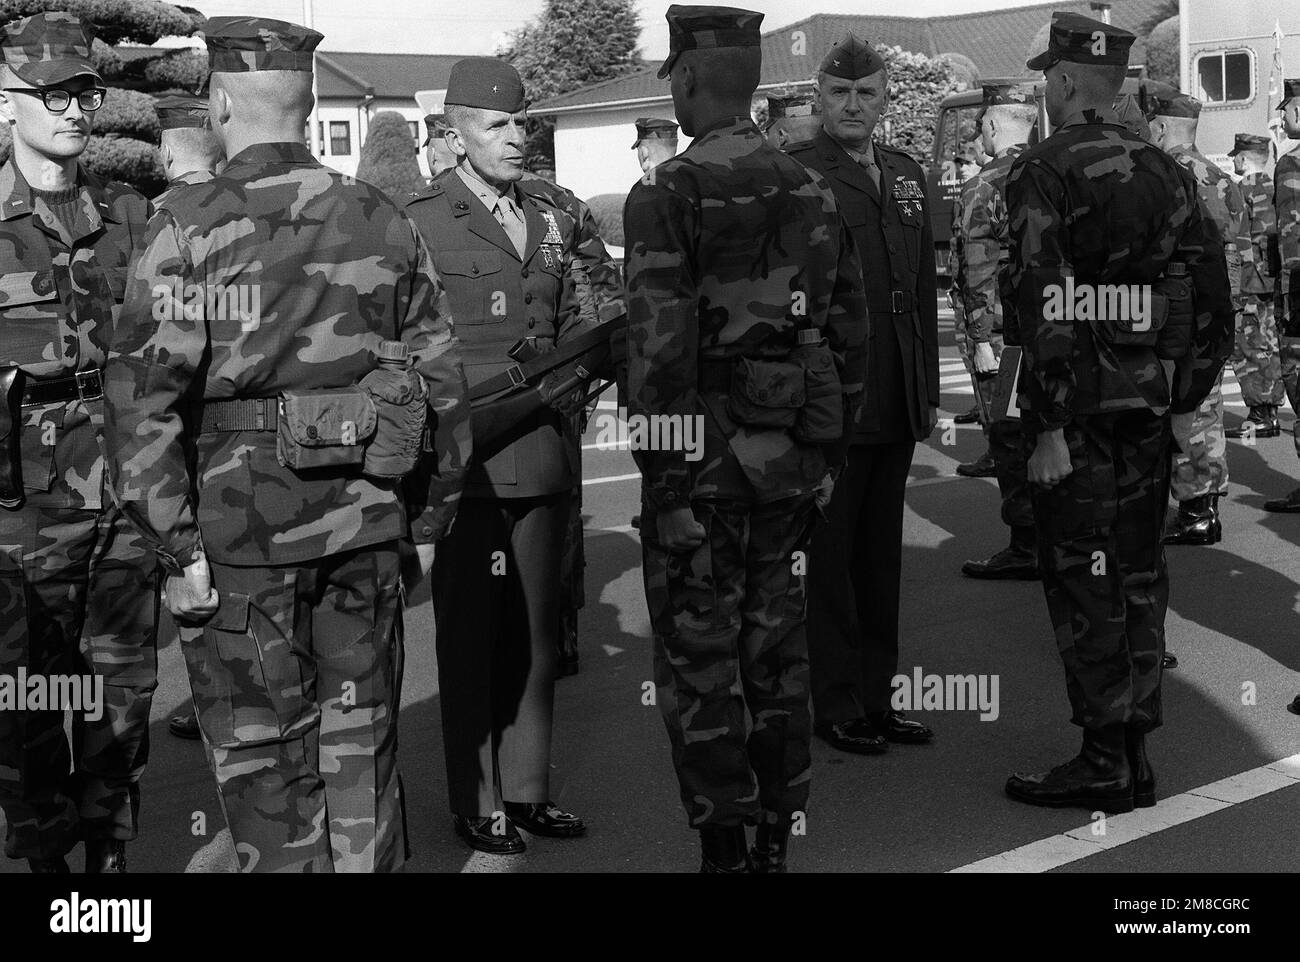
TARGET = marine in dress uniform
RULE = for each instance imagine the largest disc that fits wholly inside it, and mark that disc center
(855, 564)
(78, 586)
(1094, 204)
(506, 252)
(737, 265)
(235, 441)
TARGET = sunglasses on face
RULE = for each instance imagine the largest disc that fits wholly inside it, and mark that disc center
(57, 100)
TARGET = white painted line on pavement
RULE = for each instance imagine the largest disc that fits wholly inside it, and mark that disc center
(1079, 843)
(617, 477)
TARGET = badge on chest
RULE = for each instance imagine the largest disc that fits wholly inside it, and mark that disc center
(909, 195)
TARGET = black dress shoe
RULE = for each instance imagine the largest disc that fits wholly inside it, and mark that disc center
(105, 856)
(543, 818)
(49, 866)
(981, 467)
(477, 832)
(185, 726)
(1098, 778)
(895, 727)
(857, 736)
(1009, 564)
(970, 417)
(1169, 660)
(1288, 505)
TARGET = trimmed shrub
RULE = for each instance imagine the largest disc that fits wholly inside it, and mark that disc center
(128, 113)
(132, 161)
(388, 158)
(133, 21)
(607, 212)
(1162, 52)
(177, 70)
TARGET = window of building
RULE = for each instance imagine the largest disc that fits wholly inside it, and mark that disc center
(340, 138)
(320, 138)
(1225, 76)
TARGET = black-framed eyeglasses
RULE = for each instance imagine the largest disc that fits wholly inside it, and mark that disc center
(57, 100)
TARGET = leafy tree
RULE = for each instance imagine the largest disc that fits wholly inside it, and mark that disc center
(572, 44)
(1162, 52)
(123, 145)
(1166, 9)
(917, 84)
(388, 158)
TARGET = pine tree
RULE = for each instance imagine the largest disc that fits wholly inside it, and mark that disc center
(572, 44)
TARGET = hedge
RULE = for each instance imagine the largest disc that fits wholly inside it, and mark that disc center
(917, 84)
(388, 156)
(181, 70)
(116, 21)
(607, 211)
(124, 159)
(129, 113)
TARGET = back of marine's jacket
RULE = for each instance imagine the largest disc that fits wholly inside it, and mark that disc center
(732, 247)
(1096, 203)
(294, 275)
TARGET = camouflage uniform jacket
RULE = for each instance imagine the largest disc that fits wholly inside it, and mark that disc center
(184, 180)
(1224, 201)
(1261, 221)
(983, 231)
(59, 298)
(716, 271)
(1286, 202)
(957, 263)
(1095, 203)
(339, 269)
(499, 298)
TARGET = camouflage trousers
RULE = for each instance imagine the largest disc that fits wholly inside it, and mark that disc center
(1012, 473)
(296, 682)
(1289, 352)
(1103, 565)
(983, 386)
(1205, 469)
(78, 596)
(731, 658)
(1255, 357)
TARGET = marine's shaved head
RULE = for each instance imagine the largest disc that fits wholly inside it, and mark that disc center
(259, 107)
(726, 72)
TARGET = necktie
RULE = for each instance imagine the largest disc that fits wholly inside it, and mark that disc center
(869, 165)
(512, 221)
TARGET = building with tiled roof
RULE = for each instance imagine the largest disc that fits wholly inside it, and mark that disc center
(593, 123)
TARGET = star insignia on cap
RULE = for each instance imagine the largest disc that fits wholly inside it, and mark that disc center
(836, 62)
(495, 89)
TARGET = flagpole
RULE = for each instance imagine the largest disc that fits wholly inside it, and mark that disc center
(313, 124)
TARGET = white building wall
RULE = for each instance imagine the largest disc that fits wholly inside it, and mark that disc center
(357, 118)
(1214, 26)
(593, 149)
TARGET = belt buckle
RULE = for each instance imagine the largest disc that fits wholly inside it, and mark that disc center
(898, 301)
(90, 387)
(516, 375)
(260, 418)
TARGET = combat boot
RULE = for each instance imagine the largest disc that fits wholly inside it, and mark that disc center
(981, 467)
(1261, 422)
(1197, 522)
(49, 866)
(1144, 778)
(770, 842)
(1098, 778)
(1288, 505)
(105, 856)
(724, 852)
(1018, 561)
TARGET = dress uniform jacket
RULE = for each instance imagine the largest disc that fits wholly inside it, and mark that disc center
(497, 298)
(895, 243)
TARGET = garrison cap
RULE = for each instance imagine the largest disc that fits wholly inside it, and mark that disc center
(1249, 143)
(1165, 100)
(852, 59)
(245, 44)
(708, 28)
(434, 125)
(652, 128)
(485, 82)
(1079, 39)
(175, 112)
(795, 105)
(48, 48)
(1290, 88)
